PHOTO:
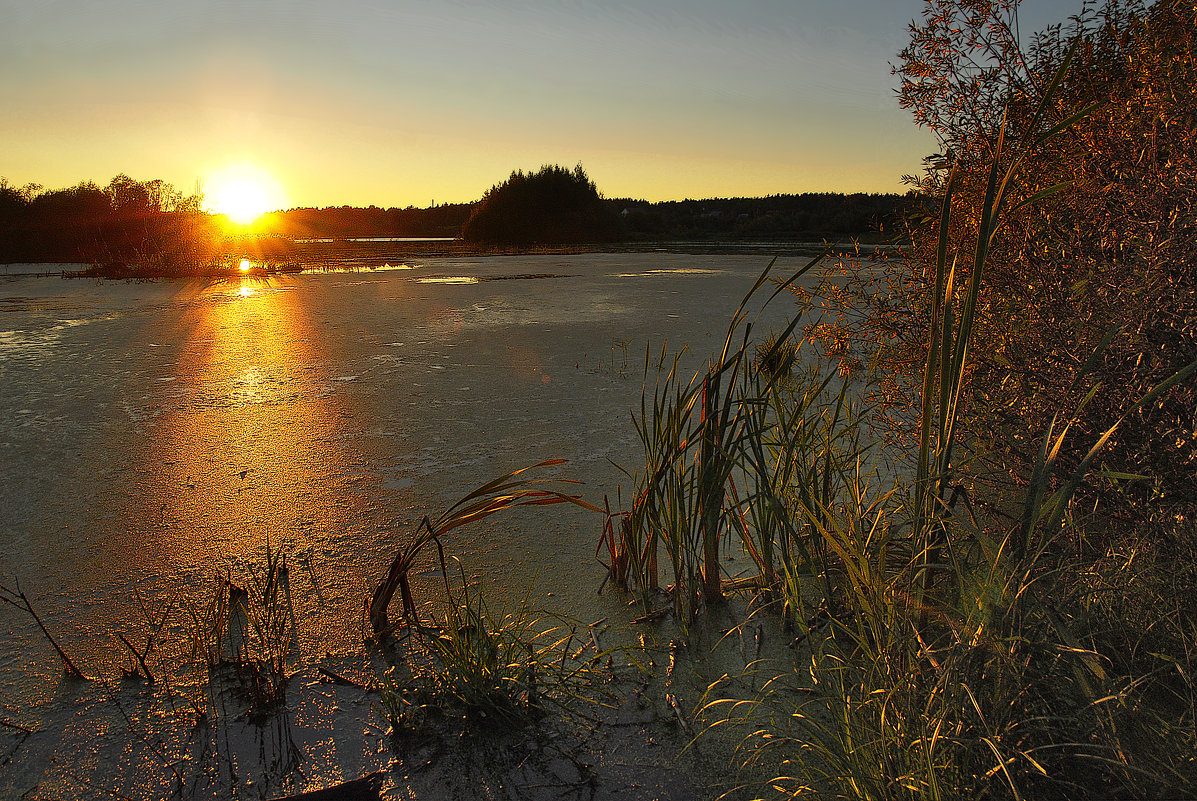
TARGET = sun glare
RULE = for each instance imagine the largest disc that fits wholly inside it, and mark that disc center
(242, 202)
(242, 192)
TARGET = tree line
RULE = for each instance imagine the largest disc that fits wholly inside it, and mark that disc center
(152, 224)
(125, 221)
(348, 222)
(810, 216)
(556, 204)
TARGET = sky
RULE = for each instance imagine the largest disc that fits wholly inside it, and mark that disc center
(411, 102)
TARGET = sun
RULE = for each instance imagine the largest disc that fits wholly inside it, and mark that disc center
(242, 192)
(242, 202)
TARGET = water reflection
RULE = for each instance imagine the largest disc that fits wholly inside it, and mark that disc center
(671, 271)
(248, 448)
(448, 279)
(183, 425)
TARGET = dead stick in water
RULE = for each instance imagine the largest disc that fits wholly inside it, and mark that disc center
(145, 669)
(671, 699)
(18, 599)
(337, 678)
(652, 617)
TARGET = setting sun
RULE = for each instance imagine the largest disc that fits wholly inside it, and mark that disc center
(243, 193)
(242, 202)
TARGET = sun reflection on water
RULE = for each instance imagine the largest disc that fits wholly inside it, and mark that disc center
(253, 445)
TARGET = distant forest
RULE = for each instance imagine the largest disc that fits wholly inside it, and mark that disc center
(811, 216)
(349, 222)
(150, 223)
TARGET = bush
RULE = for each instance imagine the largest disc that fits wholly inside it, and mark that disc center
(966, 640)
(1108, 254)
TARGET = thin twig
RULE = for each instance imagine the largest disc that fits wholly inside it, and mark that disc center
(18, 599)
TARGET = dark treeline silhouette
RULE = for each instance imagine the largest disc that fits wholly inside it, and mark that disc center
(126, 221)
(811, 216)
(559, 205)
(157, 229)
(808, 216)
(345, 222)
(554, 205)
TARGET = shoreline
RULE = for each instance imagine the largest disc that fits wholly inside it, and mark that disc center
(272, 257)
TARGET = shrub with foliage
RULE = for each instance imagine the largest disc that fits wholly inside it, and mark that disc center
(552, 206)
(969, 639)
(1107, 255)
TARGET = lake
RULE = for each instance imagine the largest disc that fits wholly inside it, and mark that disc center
(156, 435)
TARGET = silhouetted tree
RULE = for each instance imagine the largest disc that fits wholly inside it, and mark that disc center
(145, 223)
(552, 206)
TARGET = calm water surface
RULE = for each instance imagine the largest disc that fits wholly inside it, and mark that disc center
(155, 435)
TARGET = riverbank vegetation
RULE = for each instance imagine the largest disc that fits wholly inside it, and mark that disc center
(130, 229)
(125, 221)
(989, 589)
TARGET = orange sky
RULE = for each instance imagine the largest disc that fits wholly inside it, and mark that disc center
(416, 101)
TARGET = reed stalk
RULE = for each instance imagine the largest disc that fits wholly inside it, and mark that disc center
(500, 494)
(15, 596)
(941, 661)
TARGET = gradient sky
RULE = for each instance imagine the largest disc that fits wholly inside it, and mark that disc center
(405, 102)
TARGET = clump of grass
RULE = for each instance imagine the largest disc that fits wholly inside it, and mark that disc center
(501, 494)
(243, 638)
(476, 664)
(472, 662)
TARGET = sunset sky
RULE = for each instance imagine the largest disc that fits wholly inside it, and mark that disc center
(413, 101)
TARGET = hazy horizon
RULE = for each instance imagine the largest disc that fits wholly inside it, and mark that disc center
(433, 102)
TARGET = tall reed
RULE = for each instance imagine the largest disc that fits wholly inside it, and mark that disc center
(500, 494)
(946, 654)
(694, 433)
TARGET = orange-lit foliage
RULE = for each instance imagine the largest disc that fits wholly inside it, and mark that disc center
(1111, 251)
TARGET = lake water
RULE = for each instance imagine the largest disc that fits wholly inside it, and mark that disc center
(154, 435)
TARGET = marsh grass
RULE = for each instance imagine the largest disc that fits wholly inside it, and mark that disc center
(471, 662)
(243, 638)
(693, 432)
(944, 654)
(479, 665)
(501, 494)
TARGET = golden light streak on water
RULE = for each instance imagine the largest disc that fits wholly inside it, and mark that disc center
(251, 449)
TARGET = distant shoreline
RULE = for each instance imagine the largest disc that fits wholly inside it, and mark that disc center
(274, 255)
